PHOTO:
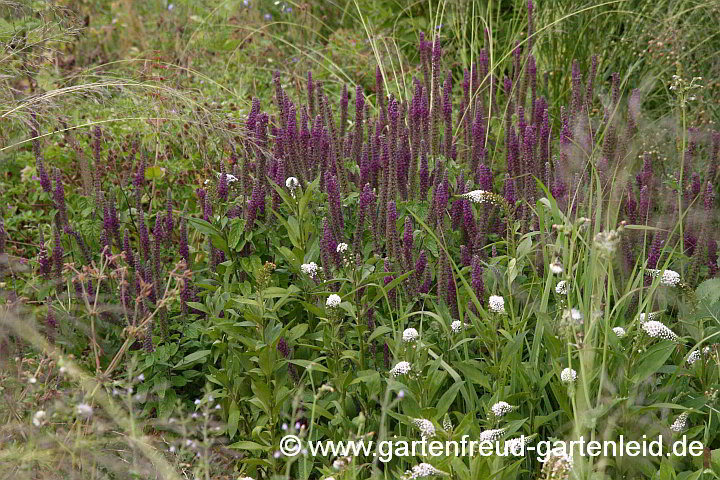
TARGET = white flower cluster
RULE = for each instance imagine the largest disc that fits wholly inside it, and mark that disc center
(680, 422)
(501, 408)
(497, 304)
(650, 316)
(292, 183)
(668, 278)
(39, 418)
(457, 326)
(561, 288)
(309, 269)
(230, 178)
(401, 368)
(619, 331)
(447, 423)
(556, 268)
(568, 375)
(697, 355)
(84, 410)
(342, 247)
(410, 335)
(426, 427)
(492, 434)
(515, 446)
(333, 301)
(656, 329)
(479, 196)
(422, 470)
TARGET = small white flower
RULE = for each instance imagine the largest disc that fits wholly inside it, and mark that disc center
(198, 401)
(568, 375)
(84, 410)
(576, 314)
(410, 335)
(292, 183)
(401, 368)
(656, 329)
(342, 247)
(680, 422)
(694, 357)
(479, 196)
(333, 300)
(492, 434)
(447, 423)
(515, 446)
(422, 470)
(309, 269)
(556, 268)
(39, 418)
(457, 326)
(497, 304)
(501, 408)
(561, 288)
(650, 316)
(32, 380)
(426, 427)
(141, 378)
(668, 278)
(171, 449)
(619, 331)
(401, 394)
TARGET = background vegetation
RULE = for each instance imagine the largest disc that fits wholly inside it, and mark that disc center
(159, 313)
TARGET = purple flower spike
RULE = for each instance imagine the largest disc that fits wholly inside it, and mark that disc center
(222, 188)
(335, 202)
(59, 198)
(477, 282)
(712, 258)
(283, 348)
(184, 248)
(408, 242)
(393, 242)
(57, 255)
(43, 259)
(129, 258)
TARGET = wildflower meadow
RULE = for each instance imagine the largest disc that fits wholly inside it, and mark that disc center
(234, 231)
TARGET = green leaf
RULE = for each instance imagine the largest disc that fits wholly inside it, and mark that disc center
(708, 292)
(652, 360)
(237, 233)
(448, 398)
(233, 419)
(154, 173)
(309, 364)
(248, 445)
(193, 357)
(381, 330)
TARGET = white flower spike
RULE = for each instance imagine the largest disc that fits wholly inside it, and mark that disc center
(497, 304)
(333, 301)
(402, 368)
(410, 335)
(568, 375)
